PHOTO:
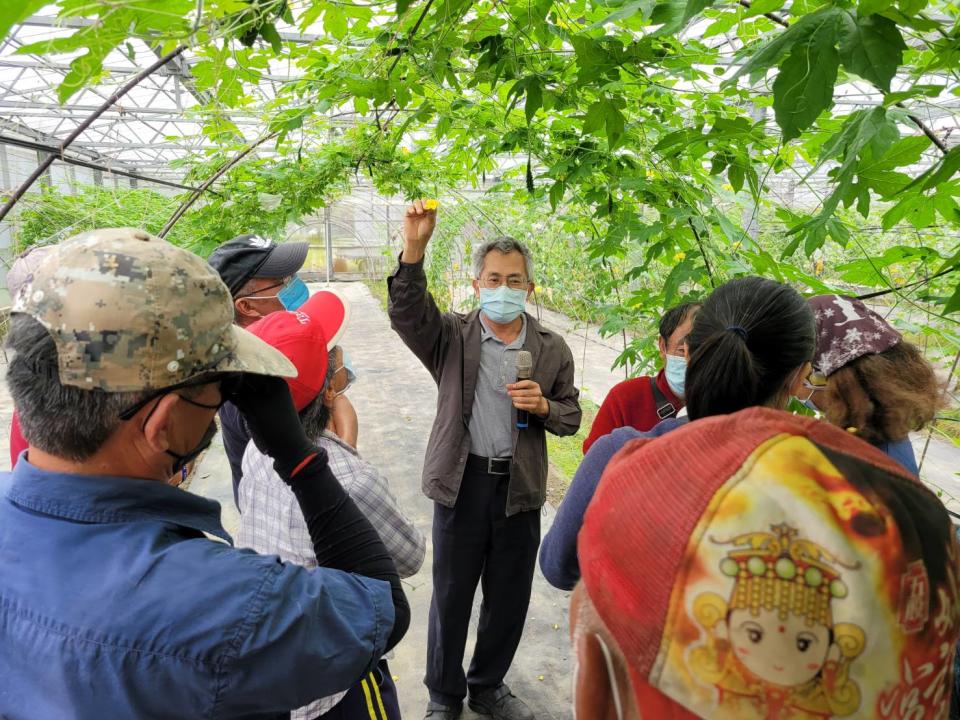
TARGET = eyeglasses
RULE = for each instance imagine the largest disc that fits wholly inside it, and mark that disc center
(493, 281)
(228, 385)
(282, 284)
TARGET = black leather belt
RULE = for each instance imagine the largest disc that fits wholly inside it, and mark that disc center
(491, 466)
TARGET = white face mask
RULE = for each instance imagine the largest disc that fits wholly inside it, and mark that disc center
(611, 676)
(676, 372)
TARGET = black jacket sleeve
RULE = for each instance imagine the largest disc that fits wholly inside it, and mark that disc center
(343, 538)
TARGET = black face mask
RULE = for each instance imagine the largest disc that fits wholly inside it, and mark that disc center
(181, 461)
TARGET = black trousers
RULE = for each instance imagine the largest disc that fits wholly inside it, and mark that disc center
(373, 698)
(474, 542)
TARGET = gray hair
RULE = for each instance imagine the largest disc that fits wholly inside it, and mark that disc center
(505, 245)
(66, 421)
(315, 416)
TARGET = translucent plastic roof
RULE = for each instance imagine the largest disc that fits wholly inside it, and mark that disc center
(152, 126)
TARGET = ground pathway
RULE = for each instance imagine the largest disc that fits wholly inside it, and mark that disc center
(395, 399)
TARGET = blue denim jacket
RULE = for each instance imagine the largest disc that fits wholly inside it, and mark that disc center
(114, 604)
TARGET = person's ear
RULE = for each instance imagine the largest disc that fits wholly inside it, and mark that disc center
(329, 394)
(662, 347)
(476, 287)
(530, 288)
(156, 429)
(796, 383)
(246, 310)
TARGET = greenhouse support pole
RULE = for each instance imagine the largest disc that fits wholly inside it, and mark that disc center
(208, 182)
(328, 240)
(82, 127)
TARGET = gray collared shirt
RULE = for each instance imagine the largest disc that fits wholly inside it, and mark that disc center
(491, 422)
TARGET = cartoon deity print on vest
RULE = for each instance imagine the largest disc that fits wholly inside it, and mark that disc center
(771, 648)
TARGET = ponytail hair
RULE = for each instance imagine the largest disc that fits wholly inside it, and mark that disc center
(748, 338)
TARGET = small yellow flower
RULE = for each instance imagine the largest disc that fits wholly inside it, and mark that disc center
(737, 245)
(405, 150)
(679, 256)
(431, 204)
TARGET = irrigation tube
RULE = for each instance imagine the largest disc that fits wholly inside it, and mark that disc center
(81, 128)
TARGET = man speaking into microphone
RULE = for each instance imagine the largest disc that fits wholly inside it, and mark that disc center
(486, 476)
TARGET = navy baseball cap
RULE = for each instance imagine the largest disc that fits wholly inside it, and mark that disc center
(252, 256)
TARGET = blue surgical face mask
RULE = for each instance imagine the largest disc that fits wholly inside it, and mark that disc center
(808, 403)
(676, 372)
(294, 294)
(503, 304)
(347, 365)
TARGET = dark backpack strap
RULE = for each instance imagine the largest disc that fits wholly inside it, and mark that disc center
(665, 408)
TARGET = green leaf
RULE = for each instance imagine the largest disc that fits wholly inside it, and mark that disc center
(770, 54)
(556, 194)
(953, 304)
(268, 32)
(868, 7)
(760, 7)
(669, 14)
(335, 22)
(722, 24)
(82, 71)
(402, 6)
(917, 210)
(613, 119)
(680, 273)
(907, 151)
(884, 183)
(625, 13)
(534, 98)
(871, 47)
(947, 207)
(595, 118)
(695, 7)
(939, 173)
(920, 89)
(16, 10)
(804, 86)
(735, 175)
(912, 7)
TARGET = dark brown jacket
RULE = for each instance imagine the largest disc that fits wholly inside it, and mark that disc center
(448, 344)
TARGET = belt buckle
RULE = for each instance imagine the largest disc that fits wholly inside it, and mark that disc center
(490, 466)
(665, 411)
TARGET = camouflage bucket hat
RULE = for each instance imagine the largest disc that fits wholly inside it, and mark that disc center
(131, 312)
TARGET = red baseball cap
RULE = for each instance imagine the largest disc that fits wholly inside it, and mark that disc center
(306, 337)
(765, 565)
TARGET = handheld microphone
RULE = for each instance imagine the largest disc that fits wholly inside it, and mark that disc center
(524, 369)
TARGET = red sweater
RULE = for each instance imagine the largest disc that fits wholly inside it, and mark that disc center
(17, 442)
(630, 403)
